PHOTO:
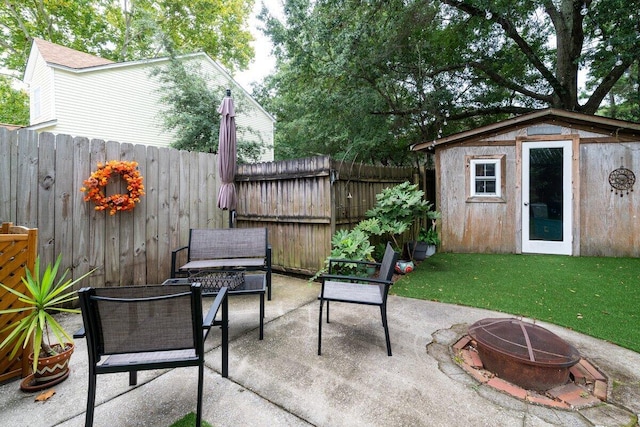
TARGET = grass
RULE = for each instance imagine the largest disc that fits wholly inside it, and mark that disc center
(596, 296)
(189, 420)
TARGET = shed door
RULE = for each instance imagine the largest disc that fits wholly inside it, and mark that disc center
(546, 197)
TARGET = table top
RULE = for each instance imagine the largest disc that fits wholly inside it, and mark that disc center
(254, 283)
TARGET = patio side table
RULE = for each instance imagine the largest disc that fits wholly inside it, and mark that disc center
(254, 283)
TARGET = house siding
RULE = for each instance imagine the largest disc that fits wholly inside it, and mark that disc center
(122, 101)
(103, 104)
(44, 81)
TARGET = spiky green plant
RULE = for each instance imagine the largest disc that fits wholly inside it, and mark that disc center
(44, 297)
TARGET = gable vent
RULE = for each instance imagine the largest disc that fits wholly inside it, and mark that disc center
(544, 130)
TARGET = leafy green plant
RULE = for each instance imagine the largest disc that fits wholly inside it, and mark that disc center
(396, 210)
(430, 235)
(44, 297)
(349, 245)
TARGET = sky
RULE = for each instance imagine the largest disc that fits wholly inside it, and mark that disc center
(263, 63)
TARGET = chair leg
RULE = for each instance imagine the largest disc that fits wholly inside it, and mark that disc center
(200, 387)
(320, 326)
(261, 315)
(383, 310)
(225, 338)
(133, 377)
(91, 400)
(327, 311)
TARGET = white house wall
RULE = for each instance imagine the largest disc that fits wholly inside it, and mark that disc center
(43, 81)
(112, 104)
(121, 102)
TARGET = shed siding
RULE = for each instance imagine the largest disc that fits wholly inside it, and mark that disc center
(610, 224)
(605, 223)
(472, 226)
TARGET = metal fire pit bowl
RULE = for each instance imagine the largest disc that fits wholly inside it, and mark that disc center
(523, 353)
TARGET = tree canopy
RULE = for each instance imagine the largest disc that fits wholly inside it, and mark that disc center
(366, 79)
(123, 30)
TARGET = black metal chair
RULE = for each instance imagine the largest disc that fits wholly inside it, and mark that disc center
(135, 328)
(359, 290)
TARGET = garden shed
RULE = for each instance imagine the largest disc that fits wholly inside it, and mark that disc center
(551, 182)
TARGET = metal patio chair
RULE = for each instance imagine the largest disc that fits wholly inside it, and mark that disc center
(359, 290)
(135, 328)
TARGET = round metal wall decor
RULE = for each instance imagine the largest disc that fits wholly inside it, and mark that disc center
(621, 180)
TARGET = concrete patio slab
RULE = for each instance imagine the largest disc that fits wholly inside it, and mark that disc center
(281, 381)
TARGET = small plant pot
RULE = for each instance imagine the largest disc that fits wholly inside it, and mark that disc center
(431, 249)
(52, 369)
(417, 250)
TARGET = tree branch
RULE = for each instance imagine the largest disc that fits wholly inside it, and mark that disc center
(511, 31)
(509, 84)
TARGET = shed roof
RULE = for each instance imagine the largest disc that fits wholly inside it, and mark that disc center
(550, 115)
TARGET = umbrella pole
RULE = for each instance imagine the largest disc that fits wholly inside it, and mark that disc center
(232, 214)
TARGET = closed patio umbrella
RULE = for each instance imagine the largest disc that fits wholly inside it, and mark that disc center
(227, 156)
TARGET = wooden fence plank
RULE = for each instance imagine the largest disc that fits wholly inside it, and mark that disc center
(140, 221)
(152, 213)
(126, 231)
(164, 244)
(46, 198)
(65, 192)
(81, 225)
(112, 230)
(97, 221)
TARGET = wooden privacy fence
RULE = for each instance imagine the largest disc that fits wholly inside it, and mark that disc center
(40, 180)
(303, 202)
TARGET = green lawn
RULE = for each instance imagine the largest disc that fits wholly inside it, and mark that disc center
(592, 295)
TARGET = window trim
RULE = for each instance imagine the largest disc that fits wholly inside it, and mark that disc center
(500, 162)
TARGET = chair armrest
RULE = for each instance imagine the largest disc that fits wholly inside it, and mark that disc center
(174, 255)
(352, 261)
(209, 319)
(79, 333)
(340, 278)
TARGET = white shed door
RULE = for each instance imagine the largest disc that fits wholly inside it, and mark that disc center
(547, 197)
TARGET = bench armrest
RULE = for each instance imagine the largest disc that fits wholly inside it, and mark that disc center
(174, 256)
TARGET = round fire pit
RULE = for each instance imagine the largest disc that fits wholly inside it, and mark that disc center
(523, 353)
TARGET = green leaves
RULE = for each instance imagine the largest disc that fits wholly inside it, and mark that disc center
(105, 28)
(44, 296)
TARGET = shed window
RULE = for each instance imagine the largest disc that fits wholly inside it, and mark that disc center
(485, 178)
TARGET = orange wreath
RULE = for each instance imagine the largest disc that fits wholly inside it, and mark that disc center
(99, 179)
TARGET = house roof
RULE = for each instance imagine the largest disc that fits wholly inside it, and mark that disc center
(55, 54)
(10, 127)
(550, 115)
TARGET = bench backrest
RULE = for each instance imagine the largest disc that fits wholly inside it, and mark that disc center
(227, 243)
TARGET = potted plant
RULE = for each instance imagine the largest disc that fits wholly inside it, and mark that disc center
(43, 298)
(428, 239)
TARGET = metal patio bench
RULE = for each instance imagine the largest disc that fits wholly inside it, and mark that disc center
(243, 249)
